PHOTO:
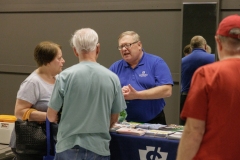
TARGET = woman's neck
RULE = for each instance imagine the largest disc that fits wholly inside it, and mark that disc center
(46, 75)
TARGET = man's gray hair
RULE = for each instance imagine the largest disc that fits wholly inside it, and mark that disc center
(235, 31)
(231, 44)
(84, 40)
(135, 36)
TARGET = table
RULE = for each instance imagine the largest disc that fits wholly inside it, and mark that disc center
(130, 147)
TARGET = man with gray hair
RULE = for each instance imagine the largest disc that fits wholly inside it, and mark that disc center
(212, 106)
(91, 100)
(197, 58)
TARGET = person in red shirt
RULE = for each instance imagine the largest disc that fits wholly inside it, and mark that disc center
(212, 108)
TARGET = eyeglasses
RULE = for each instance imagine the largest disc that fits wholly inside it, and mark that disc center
(128, 45)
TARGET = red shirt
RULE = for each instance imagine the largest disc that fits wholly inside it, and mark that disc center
(214, 97)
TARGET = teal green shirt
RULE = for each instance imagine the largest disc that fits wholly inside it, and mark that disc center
(89, 93)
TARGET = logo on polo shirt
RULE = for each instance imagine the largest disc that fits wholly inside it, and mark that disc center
(152, 153)
(143, 74)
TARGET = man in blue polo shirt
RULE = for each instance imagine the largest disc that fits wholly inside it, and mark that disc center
(145, 79)
(197, 58)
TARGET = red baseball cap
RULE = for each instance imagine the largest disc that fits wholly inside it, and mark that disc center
(227, 24)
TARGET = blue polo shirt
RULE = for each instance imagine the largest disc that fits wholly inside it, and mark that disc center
(150, 72)
(190, 63)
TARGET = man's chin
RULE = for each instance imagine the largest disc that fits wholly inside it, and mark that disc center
(127, 58)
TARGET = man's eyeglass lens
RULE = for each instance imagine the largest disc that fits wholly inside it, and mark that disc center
(128, 45)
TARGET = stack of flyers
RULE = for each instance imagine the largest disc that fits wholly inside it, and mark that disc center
(158, 133)
(132, 131)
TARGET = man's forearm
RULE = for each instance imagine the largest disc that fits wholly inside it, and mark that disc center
(189, 145)
(52, 115)
(113, 119)
(156, 92)
(191, 139)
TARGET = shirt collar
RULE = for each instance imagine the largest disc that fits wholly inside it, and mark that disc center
(195, 49)
(141, 62)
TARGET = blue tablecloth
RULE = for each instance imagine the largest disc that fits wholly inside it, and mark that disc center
(130, 147)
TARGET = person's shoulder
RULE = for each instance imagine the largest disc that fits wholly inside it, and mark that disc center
(186, 57)
(212, 66)
(103, 68)
(32, 77)
(146, 54)
(118, 62)
(211, 57)
(67, 71)
(152, 56)
(70, 68)
(107, 71)
(32, 80)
